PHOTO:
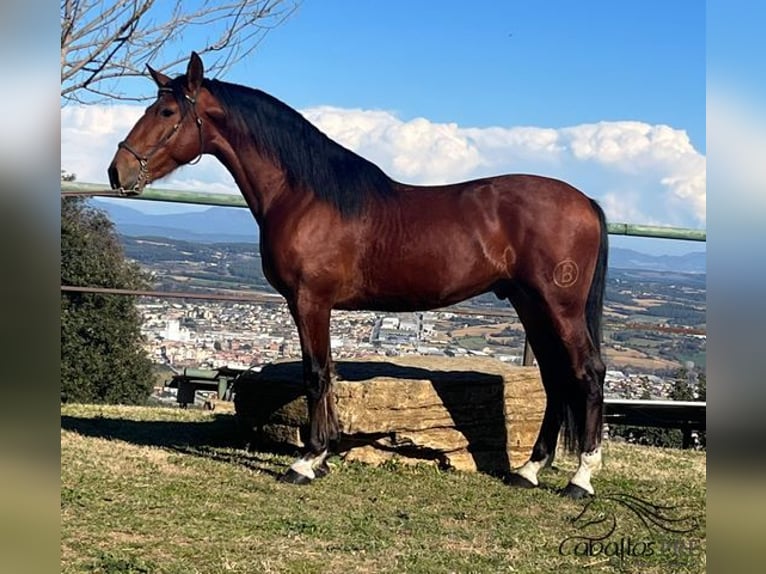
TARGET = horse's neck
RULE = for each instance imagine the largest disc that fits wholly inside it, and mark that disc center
(259, 179)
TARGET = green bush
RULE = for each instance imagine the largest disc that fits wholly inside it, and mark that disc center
(102, 360)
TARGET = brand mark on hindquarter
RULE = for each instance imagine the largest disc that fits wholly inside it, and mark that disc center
(565, 274)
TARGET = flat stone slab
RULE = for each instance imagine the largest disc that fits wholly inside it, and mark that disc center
(464, 413)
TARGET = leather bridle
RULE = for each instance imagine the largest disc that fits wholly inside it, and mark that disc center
(143, 159)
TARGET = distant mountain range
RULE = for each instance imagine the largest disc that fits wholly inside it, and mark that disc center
(236, 225)
(695, 262)
(212, 225)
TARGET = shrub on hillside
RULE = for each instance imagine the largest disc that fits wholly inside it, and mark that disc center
(102, 359)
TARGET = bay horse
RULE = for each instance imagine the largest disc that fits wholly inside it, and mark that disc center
(338, 233)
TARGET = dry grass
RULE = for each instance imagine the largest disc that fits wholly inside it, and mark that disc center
(483, 330)
(165, 490)
(637, 359)
(648, 302)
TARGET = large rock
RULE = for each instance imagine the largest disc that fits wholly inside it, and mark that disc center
(463, 413)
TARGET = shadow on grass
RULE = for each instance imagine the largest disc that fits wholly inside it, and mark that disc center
(217, 439)
(475, 401)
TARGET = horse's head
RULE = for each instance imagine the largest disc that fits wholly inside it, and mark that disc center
(172, 132)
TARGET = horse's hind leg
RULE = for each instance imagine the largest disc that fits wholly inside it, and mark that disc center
(587, 410)
(583, 399)
(572, 373)
(313, 322)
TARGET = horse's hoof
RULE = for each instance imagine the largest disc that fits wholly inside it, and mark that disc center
(575, 492)
(322, 470)
(515, 479)
(292, 477)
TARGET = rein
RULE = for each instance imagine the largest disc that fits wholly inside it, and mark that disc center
(143, 160)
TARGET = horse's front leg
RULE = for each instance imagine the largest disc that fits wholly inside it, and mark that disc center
(313, 322)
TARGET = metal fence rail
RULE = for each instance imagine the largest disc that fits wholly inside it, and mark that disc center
(656, 413)
(687, 416)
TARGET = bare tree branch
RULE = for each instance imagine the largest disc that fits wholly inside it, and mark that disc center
(104, 41)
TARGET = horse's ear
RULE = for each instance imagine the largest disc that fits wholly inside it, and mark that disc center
(159, 78)
(194, 72)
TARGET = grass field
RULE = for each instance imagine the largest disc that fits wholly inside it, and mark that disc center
(168, 490)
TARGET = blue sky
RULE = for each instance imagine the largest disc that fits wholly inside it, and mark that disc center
(490, 62)
(609, 96)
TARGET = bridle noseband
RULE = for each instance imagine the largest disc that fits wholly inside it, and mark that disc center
(143, 159)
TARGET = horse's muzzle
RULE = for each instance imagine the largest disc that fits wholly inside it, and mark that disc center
(124, 178)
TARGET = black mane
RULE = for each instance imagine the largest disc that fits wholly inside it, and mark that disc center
(310, 158)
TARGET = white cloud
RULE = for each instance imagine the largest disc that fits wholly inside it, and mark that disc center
(624, 205)
(641, 173)
(661, 153)
(89, 136)
(417, 151)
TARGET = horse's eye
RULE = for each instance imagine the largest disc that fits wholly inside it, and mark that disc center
(166, 112)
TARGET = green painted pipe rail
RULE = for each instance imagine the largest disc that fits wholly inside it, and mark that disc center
(154, 194)
(658, 231)
(69, 189)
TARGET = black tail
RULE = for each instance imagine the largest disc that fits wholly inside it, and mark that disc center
(595, 305)
(573, 419)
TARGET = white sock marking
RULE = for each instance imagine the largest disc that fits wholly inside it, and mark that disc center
(304, 467)
(530, 469)
(589, 461)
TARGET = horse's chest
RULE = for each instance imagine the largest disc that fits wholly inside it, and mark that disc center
(274, 268)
